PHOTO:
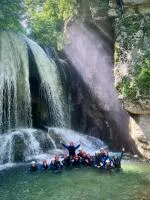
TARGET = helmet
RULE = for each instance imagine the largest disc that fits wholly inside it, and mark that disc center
(107, 161)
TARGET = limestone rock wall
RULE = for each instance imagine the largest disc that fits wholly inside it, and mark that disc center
(89, 47)
(132, 68)
(102, 26)
(140, 132)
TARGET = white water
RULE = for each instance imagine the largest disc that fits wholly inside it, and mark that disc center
(32, 144)
(7, 143)
(51, 86)
(15, 102)
(24, 145)
(89, 144)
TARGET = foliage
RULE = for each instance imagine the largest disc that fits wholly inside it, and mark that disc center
(10, 14)
(137, 85)
(132, 50)
(47, 18)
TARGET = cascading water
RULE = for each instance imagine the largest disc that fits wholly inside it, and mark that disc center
(27, 144)
(51, 86)
(15, 102)
(89, 143)
(18, 144)
(24, 145)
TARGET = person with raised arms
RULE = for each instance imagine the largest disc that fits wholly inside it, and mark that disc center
(71, 149)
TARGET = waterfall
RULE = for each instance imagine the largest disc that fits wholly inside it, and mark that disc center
(15, 102)
(18, 145)
(19, 142)
(27, 144)
(88, 143)
(51, 86)
(24, 144)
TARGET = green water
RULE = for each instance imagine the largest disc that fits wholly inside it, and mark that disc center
(133, 183)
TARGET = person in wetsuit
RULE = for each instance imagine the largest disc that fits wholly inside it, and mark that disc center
(72, 149)
(56, 165)
(44, 166)
(33, 167)
(76, 161)
(117, 160)
(86, 159)
(101, 155)
(66, 161)
(107, 162)
(80, 154)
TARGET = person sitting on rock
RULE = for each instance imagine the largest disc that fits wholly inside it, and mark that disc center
(44, 166)
(71, 148)
(33, 167)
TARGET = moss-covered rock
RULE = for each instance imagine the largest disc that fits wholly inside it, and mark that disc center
(132, 57)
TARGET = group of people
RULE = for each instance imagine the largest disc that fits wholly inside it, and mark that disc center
(100, 160)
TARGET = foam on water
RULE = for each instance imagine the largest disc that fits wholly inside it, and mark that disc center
(88, 143)
(38, 145)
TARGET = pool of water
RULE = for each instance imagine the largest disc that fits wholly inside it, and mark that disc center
(132, 183)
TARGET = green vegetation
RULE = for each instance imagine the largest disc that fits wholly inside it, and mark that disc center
(132, 36)
(47, 18)
(103, 6)
(10, 14)
(137, 85)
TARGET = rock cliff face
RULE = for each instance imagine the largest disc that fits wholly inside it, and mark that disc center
(132, 68)
(89, 47)
(102, 27)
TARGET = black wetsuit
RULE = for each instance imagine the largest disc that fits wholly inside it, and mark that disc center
(56, 165)
(80, 155)
(101, 157)
(33, 169)
(66, 162)
(86, 161)
(117, 161)
(44, 167)
(71, 149)
(76, 162)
